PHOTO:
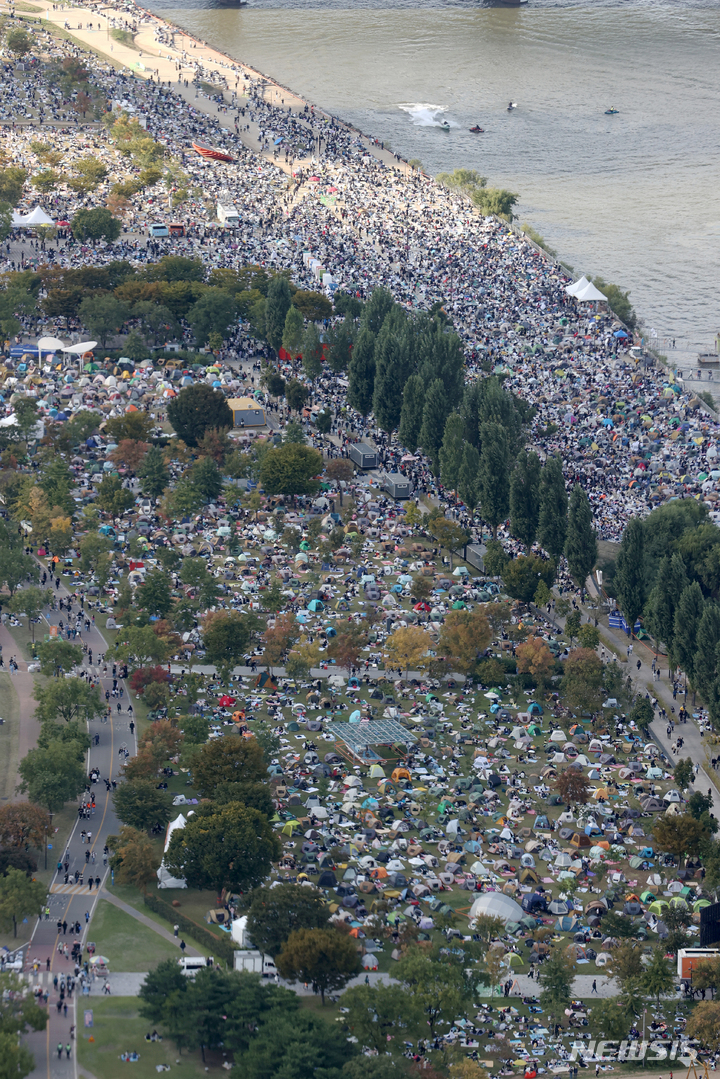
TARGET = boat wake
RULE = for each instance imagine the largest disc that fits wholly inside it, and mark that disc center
(427, 115)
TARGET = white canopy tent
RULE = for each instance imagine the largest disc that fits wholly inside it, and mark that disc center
(50, 344)
(589, 294)
(37, 216)
(577, 286)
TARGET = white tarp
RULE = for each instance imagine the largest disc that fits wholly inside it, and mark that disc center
(37, 216)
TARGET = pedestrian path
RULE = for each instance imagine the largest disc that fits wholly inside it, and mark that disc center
(144, 920)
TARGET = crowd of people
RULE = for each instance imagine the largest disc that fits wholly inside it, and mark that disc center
(632, 435)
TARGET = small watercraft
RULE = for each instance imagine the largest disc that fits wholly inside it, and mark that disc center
(612, 112)
(444, 126)
(211, 153)
(511, 106)
(477, 130)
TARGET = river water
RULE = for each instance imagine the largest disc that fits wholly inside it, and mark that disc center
(633, 197)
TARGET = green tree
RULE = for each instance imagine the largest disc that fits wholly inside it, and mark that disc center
(154, 595)
(629, 579)
(642, 713)
(493, 475)
(556, 977)
(411, 413)
(522, 575)
(53, 775)
(449, 535)
(228, 846)
(19, 896)
(141, 646)
(231, 765)
(435, 413)
(96, 224)
(313, 305)
(588, 636)
(341, 337)
(290, 469)
(381, 1017)
(468, 483)
(67, 699)
(207, 477)
(684, 773)
(325, 958)
(19, 42)
(298, 1045)
(312, 352)
(159, 985)
(680, 835)
(226, 637)
(30, 601)
(376, 309)
(292, 339)
(393, 367)
(57, 655)
(361, 373)
(277, 305)
(92, 546)
(435, 983)
(704, 1024)
(153, 473)
(452, 451)
(497, 201)
(582, 683)
(581, 542)
(618, 301)
(706, 645)
(627, 962)
(525, 498)
(213, 312)
(657, 978)
(103, 315)
(197, 409)
(275, 913)
(12, 181)
(113, 498)
(19, 1015)
(688, 616)
(135, 859)
(296, 395)
(141, 805)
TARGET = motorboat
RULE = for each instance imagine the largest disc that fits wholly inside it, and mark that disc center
(444, 126)
(477, 130)
(211, 153)
(612, 112)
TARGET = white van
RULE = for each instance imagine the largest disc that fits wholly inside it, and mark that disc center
(191, 964)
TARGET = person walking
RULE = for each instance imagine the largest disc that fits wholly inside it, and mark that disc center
(594, 986)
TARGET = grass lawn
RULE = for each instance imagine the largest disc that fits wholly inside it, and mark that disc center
(129, 945)
(133, 898)
(9, 737)
(118, 1028)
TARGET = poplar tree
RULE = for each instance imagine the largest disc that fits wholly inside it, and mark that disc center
(469, 477)
(663, 601)
(312, 352)
(689, 612)
(706, 654)
(581, 542)
(293, 331)
(376, 309)
(435, 412)
(342, 336)
(629, 580)
(392, 369)
(525, 498)
(494, 468)
(277, 306)
(361, 373)
(552, 520)
(411, 413)
(451, 451)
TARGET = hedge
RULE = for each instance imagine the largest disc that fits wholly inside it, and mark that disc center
(218, 947)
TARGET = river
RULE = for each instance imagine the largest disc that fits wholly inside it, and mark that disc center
(633, 197)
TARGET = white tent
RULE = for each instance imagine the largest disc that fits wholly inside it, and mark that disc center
(497, 905)
(35, 217)
(577, 286)
(165, 879)
(589, 293)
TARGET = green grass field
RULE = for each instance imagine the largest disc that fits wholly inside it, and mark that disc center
(118, 1028)
(129, 945)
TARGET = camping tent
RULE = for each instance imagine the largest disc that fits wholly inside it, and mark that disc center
(498, 906)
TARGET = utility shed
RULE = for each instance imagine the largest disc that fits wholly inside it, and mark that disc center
(246, 412)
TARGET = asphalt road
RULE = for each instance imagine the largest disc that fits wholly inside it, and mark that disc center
(75, 902)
